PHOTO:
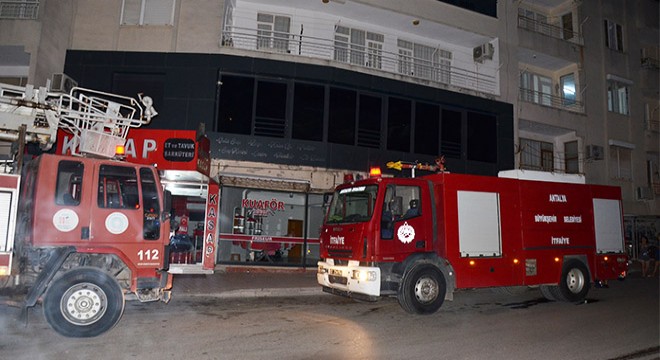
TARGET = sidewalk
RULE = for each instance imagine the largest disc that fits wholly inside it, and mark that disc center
(248, 282)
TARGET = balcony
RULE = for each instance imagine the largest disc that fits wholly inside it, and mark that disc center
(543, 99)
(23, 10)
(553, 31)
(439, 72)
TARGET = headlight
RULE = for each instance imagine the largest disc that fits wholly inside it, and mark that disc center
(364, 275)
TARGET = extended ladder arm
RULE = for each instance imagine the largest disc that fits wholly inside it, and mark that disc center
(98, 121)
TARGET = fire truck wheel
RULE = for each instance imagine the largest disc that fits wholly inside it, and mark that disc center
(548, 292)
(83, 302)
(422, 290)
(574, 282)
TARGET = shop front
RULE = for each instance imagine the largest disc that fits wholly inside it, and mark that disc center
(272, 222)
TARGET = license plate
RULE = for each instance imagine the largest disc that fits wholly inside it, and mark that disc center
(335, 272)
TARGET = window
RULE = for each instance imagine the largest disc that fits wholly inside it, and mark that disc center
(427, 128)
(342, 35)
(536, 155)
(69, 183)
(308, 103)
(235, 105)
(567, 26)
(117, 188)
(613, 35)
(269, 226)
(343, 107)
(358, 47)
(150, 205)
(357, 43)
(369, 121)
(273, 32)
(352, 205)
(398, 124)
(620, 162)
(617, 96)
(567, 83)
(404, 65)
(19, 9)
(400, 203)
(14, 80)
(571, 157)
(147, 12)
(450, 144)
(533, 21)
(424, 61)
(270, 114)
(375, 50)
(482, 141)
(536, 88)
(444, 67)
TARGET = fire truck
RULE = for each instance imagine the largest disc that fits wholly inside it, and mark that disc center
(423, 238)
(80, 234)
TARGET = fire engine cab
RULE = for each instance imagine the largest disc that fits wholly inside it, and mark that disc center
(183, 160)
(420, 239)
(80, 233)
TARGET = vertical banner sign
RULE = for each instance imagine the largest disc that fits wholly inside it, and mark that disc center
(211, 226)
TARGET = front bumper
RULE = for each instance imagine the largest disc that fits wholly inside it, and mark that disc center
(351, 278)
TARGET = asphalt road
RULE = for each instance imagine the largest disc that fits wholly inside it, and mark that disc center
(621, 322)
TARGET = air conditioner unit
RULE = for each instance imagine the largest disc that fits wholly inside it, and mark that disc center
(62, 82)
(483, 52)
(644, 193)
(595, 152)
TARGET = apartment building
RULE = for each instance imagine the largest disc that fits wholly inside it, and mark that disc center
(296, 94)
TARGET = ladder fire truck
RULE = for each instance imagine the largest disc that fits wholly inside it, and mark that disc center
(520, 229)
(80, 233)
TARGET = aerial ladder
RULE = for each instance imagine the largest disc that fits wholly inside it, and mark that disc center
(97, 121)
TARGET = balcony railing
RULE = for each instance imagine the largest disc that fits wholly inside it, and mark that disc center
(435, 73)
(544, 99)
(26, 10)
(549, 29)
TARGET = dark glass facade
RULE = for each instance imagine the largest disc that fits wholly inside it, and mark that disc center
(300, 114)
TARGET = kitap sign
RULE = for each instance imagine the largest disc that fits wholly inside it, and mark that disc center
(168, 149)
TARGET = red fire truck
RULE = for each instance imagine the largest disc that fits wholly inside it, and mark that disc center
(82, 233)
(420, 239)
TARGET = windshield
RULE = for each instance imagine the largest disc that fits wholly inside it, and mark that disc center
(354, 204)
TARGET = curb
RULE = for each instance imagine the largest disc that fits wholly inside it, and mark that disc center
(259, 293)
(227, 269)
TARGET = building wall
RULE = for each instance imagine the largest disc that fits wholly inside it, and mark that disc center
(603, 125)
(198, 25)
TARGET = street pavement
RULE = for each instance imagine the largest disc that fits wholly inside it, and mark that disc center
(253, 281)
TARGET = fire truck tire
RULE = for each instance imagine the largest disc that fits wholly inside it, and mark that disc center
(574, 283)
(548, 292)
(83, 302)
(422, 290)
